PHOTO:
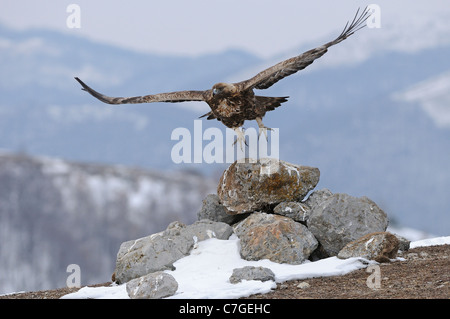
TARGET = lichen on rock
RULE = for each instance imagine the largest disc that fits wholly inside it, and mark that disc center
(250, 186)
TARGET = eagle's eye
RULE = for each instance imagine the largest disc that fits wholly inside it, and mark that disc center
(216, 91)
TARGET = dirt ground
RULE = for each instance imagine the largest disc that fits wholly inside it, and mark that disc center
(424, 274)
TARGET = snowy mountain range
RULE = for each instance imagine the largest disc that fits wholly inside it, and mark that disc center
(373, 116)
(55, 213)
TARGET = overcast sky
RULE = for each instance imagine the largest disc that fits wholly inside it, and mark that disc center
(194, 27)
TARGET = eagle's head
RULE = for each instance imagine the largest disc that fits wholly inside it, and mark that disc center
(223, 89)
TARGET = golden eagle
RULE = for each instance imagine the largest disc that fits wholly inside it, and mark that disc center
(234, 103)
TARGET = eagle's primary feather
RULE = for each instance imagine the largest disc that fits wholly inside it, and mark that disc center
(270, 76)
(234, 103)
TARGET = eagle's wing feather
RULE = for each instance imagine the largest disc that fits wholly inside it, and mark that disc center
(179, 96)
(270, 76)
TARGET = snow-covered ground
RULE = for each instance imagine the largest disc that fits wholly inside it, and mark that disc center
(205, 272)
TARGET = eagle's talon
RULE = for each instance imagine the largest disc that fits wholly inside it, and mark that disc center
(262, 128)
(239, 137)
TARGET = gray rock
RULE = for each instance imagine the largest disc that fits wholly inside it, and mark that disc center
(248, 187)
(251, 273)
(295, 210)
(317, 197)
(342, 218)
(159, 251)
(303, 285)
(404, 243)
(213, 210)
(152, 286)
(274, 237)
(381, 247)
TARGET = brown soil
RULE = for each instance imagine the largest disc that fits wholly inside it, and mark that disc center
(424, 274)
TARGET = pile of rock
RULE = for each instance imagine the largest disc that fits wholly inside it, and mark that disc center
(280, 224)
(264, 204)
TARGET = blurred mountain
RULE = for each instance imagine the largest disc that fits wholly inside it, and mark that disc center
(54, 213)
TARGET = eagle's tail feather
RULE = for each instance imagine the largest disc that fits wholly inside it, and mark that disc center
(210, 116)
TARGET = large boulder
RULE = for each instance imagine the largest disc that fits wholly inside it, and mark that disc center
(274, 237)
(152, 286)
(342, 218)
(381, 247)
(251, 186)
(159, 251)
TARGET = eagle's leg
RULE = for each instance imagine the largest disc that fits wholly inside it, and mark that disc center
(262, 127)
(240, 137)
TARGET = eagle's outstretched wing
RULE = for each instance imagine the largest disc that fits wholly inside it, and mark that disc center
(270, 76)
(180, 96)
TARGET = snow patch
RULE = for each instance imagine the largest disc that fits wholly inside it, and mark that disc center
(445, 240)
(54, 166)
(433, 95)
(112, 292)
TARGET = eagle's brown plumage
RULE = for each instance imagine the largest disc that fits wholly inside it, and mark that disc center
(234, 103)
